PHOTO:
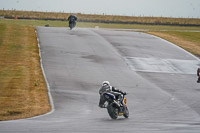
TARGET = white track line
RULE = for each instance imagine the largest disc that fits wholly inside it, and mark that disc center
(47, 83)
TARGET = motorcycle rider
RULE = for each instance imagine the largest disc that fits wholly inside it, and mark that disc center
(72, 19)
(198, 74)
(106, 87)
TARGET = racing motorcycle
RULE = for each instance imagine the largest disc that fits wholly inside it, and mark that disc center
(114, 108)
(72, 25)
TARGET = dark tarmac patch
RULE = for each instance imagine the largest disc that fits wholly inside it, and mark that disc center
(94, 58)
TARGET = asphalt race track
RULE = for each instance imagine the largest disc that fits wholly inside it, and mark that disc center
(160, 79)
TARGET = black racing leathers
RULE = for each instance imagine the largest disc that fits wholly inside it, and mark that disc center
(198, 74)
(112, 90)
(72, 19)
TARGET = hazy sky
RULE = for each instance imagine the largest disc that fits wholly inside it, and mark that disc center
(164, 8)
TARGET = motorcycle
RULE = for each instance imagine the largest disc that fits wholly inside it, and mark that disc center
(198, 74)
(114, 108)
(72, 25)
(198, 80)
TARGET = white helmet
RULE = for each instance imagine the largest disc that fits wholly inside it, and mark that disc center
(105, 83)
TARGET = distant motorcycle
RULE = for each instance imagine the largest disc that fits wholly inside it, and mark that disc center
(72, 21)
(72, 25)
(198, 75)
(114, 108)
(198, 80)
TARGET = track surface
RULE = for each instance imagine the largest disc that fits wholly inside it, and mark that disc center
(160, 80)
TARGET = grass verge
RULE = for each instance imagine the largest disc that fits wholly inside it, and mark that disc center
(23, 91)
(100, 25)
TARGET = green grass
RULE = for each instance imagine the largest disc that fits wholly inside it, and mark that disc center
(138, 26)
(35, 22)
(189, 36)
(101, 25)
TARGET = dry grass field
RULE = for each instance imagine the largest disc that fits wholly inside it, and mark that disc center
(23, 91)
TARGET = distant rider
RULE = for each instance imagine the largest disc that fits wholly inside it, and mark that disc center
(72, 19)
(198, 74)
(106, 87)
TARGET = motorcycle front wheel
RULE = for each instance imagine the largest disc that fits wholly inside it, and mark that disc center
(126, 113)
(70, 26)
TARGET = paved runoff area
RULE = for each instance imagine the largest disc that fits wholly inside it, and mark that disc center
(159, 77)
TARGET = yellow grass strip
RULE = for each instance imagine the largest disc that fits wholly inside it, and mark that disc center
(23, 92)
